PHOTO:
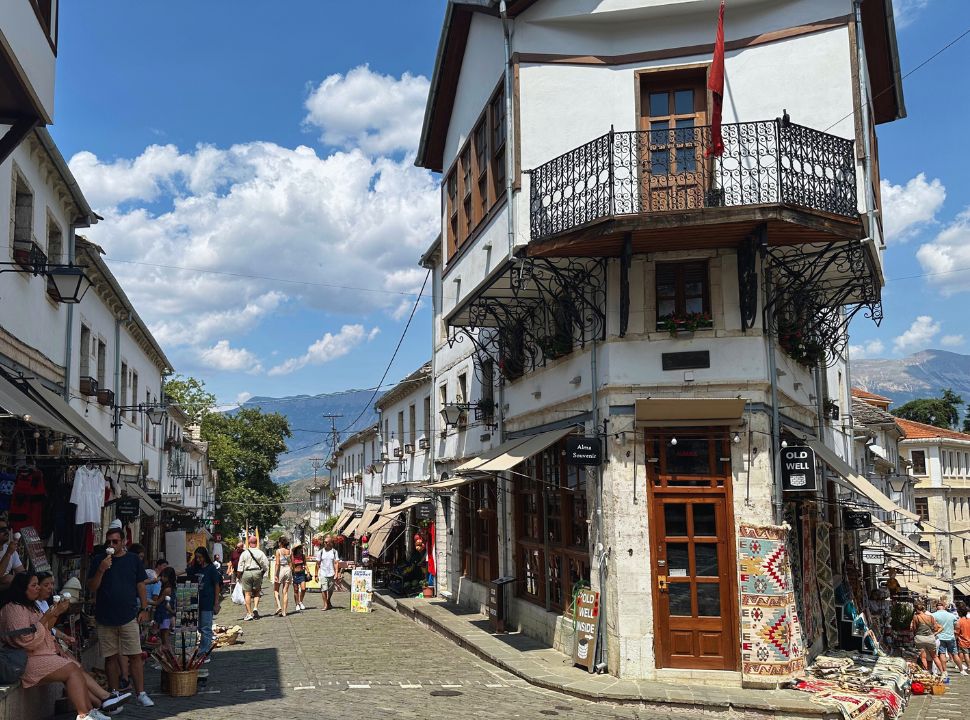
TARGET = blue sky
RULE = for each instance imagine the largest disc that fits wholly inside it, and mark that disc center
(229, 137)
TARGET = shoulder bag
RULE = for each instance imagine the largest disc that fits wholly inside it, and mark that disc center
(13, 661)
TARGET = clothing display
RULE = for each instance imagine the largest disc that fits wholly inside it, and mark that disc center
(7, 482)
(27, 504)
(88, 494)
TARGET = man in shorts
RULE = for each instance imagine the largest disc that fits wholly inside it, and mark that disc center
(118, 579)
(253, 566)
(947, 636)
(328, 565)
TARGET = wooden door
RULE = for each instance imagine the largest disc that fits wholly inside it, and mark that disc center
(692, 552)
(673, 116)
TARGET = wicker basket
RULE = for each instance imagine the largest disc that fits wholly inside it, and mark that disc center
(182, 684)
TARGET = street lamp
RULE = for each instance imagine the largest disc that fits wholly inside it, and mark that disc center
(68, 281)
(452, 413)
(898, 483)
(154, 413)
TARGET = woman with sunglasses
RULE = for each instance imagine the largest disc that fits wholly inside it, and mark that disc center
(22, 625)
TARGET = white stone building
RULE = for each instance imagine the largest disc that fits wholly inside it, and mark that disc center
(602, 270)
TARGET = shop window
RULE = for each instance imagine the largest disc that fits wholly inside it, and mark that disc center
(688, 459)
(683, 295)
(918, 458)
(552, 530)
(923, 508)
(478, 534)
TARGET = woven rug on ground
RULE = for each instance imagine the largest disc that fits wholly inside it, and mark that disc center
(771, 646)
(826, 591)
(852, 707)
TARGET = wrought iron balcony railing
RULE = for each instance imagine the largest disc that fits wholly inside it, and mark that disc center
(656, 171)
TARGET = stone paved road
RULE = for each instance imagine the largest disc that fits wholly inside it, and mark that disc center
(953, 705)
(333, 664)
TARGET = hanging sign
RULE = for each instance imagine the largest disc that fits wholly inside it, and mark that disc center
(424, 511)
(128, 508)
(35, 550)
(396, 500)
(361, 590)
(873, 556)
(798, 469)
(584, 450)
(858, 520)
(586, 617)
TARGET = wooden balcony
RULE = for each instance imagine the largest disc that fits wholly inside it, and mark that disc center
(668, 192)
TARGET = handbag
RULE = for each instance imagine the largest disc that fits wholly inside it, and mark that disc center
(13, 661)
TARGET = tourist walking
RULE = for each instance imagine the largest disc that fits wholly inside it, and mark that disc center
(234, 562)
(962, 630)
(328, 565)
(210, 595)
(946, 636)
(925, 627)
(24, 626)
(117, 577)
(283, 574)
(299, 577)
(253, 566)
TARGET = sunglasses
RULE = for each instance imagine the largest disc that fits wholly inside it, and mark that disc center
(4, 529)
(115, 541)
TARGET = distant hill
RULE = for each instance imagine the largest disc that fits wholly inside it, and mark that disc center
(921, 375)
(310, 438)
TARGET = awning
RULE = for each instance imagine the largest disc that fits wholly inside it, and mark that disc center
(684, 412)
(963, 587)
(370, 512)
(17, 402)
(82, 428)
(856, 482)
(900, 538)
(148, 506)
(406, 505)
(495, 452)
(449, 485)
(533, 446)
(378, 541)
(352, 525)
(342, 519)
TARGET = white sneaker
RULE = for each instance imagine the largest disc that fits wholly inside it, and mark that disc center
(114, 702)
(144, 700)
(93, 714)
(248, 617)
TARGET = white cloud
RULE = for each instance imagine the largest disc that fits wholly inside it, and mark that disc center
(242, 397)
(907, 208)
(377, 113)
(952, 340)
(329, 347)
(947, 256)
(905, 11)
(873, 348)
(919, 335)
(222, 356)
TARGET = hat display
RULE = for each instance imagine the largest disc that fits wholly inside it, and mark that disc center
(115, 524)
(73, 586)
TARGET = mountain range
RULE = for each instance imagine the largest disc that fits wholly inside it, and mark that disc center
(311, 429)
(921, 375)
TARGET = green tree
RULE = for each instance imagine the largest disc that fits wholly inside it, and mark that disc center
(190, 394)
(942, 412)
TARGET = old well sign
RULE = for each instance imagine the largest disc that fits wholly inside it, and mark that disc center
(798, 469)
(586, 616)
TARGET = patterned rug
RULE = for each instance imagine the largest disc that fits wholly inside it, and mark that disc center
(826, 592)
(813, 623)
(771, 647)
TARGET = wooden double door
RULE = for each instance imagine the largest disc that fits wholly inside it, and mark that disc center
(692, 552)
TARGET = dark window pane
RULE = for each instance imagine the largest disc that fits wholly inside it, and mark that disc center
(675, 520)
(659, 105)
(555, 579)
(705, 520)
(705, 560)
(694, 305)
(688, 457)
(679, 594)
(666, 307)
(709, 599)
(686, 160)
(677, 558)
(684, 102)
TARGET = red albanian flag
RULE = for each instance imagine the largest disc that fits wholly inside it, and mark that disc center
(715, 83)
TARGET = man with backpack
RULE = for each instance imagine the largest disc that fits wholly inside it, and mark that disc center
(252, 568)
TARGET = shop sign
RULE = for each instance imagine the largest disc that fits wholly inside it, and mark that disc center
(35, 550)
(424, 511)
(361, 590)
(155, 497)
(128, 508)
(396, 500)
(584, 451)
(873, 556)
(798, 469)
(358, 514)
(586, 617)
(172, 497)
(858, 520)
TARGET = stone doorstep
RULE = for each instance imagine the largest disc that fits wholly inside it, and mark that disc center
(534, 663)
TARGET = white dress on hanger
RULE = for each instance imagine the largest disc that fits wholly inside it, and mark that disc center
(88, 494)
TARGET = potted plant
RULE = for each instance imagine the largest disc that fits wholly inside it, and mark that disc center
(511, 367)
(555, 346)
(426, 590)
(685, 324)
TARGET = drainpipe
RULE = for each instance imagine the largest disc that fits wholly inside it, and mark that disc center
(866, 122)
(504, 490)
(775, 418)
(69, 329)
(507, 30)
(116, 420)
(599, 663)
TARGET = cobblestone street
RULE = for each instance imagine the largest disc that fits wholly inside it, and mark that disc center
(332, 664)
(951, 706)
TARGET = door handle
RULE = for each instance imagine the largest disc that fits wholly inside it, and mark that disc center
(662, 583)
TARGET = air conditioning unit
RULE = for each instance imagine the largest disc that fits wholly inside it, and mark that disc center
(106, 396)
(424, 443)
(409, 449)
(398, 452)
(88, 385)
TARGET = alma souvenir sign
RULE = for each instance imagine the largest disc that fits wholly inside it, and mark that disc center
(584, 450)
(361, 590)
(873, 556)
(35, 549)
(798, 469)
(586, 615)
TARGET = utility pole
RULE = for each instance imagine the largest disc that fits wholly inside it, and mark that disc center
(334, 438)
